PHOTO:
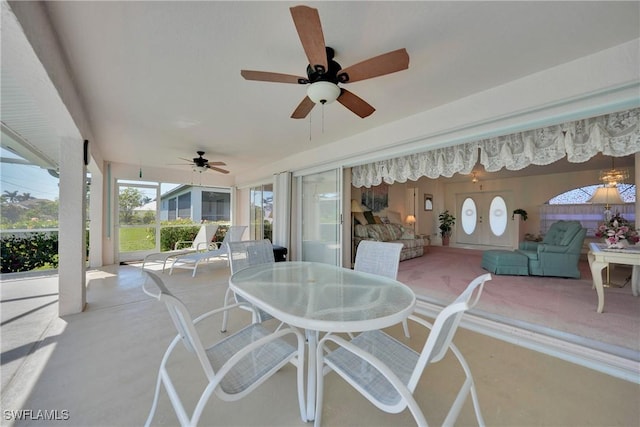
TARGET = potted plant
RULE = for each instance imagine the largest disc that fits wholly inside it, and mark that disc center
(521, 212)
(447, 221)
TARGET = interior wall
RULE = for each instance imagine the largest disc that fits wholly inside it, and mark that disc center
(529, 193)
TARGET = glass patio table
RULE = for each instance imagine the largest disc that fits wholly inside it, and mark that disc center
(320, 297)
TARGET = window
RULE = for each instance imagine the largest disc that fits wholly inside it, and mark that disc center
(184, 205)
(574, 205)
(216, 206)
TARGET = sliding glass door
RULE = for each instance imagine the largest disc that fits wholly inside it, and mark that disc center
(261, 205)
(137, 220)
(321, 216)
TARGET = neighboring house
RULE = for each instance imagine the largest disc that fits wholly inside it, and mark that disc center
(198, 203)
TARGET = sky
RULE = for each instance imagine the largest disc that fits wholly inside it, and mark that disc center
(27, 179)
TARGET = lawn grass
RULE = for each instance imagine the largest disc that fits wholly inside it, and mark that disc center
(137, 239)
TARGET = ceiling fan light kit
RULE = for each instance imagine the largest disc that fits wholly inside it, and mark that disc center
(323, 92)
(200, 164)
(324, 74)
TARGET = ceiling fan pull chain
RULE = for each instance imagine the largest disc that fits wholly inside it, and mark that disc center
(309, 127)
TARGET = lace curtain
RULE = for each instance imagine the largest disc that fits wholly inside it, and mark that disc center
(616, 134)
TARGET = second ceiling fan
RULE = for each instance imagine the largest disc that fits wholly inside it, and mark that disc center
(324, 74)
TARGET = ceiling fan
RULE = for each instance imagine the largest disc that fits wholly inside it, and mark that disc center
(324, 74)
(200, 164)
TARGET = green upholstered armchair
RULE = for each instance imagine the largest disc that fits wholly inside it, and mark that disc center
(558, 253)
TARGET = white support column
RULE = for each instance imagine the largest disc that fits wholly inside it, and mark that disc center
(72, 244)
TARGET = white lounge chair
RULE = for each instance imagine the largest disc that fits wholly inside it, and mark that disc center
(201, 242)
(192, 261)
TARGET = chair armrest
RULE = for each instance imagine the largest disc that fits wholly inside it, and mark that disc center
(182, 242)
(552, 248)
(529, 246)
(202, 246)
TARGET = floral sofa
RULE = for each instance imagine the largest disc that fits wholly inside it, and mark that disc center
(412, 247)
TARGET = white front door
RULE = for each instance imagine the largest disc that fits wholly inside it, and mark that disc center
(483, 219)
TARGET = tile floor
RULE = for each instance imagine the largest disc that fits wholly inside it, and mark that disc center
(100, 366)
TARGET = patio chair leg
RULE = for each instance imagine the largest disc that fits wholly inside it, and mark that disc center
(154, 405)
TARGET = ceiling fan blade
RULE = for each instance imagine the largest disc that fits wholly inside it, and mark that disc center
(380, 65)
(265, 76)
(303, 109)
(217, 163)
(218, 169)
(307, 22)
(355, 104)
(186, 160)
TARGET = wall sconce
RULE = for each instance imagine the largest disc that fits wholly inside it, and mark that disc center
(474, 179)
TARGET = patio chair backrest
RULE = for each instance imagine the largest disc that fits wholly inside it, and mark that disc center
(446, 325)
(182, 320)
(250, 252)
(234, 234)
(380, 258)
(205, 236)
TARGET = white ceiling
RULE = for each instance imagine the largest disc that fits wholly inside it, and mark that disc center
(160, 80)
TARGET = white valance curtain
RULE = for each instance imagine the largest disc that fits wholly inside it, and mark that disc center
(616, 134)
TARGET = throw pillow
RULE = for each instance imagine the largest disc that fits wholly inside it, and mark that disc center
(360, 218)
(369, 216)
(377, 219)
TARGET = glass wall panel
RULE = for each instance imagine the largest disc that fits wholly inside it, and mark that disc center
(321, 213)
(136, 219)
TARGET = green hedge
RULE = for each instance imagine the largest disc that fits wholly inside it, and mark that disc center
(35, 251)
(40, 250)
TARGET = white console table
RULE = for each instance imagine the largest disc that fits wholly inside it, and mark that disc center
(600, 257)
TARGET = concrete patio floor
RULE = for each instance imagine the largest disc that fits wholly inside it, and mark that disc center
(98, 368)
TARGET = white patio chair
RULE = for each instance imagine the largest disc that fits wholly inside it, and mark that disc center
(233, 366)
(381, 258)
(386, 371)
(193, 260)
(242, 255)
(202, 241)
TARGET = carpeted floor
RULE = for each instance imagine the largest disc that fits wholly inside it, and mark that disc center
(565, 306)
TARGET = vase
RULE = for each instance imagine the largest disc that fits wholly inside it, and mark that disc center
(620, 244)
(445, 240)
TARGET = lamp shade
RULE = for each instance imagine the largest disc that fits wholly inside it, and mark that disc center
(410, 219)
(606, 196)
(323, 92)
(355, 206)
